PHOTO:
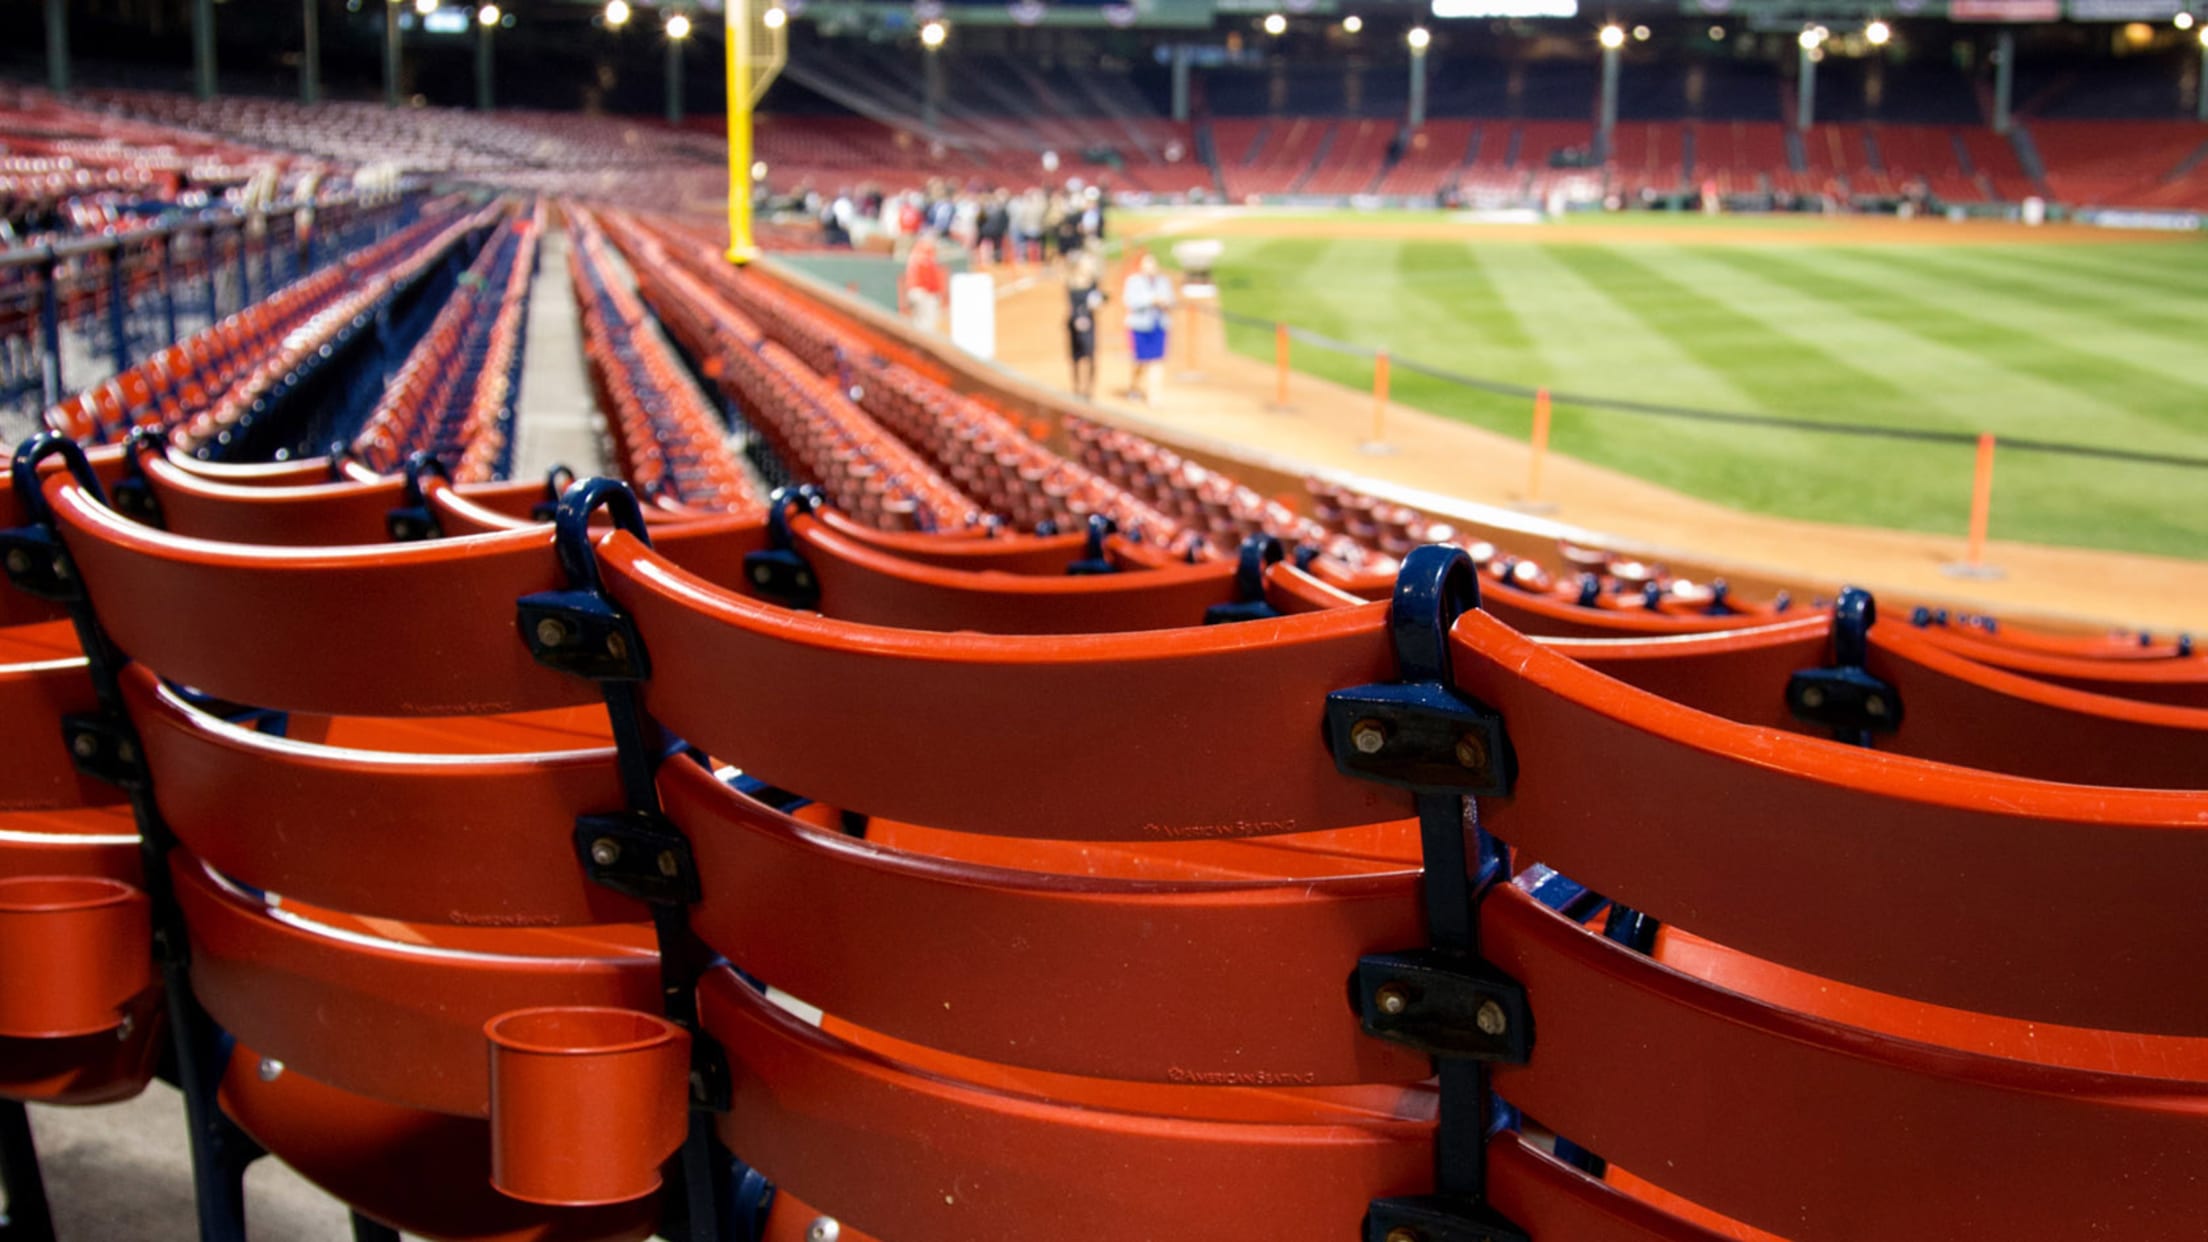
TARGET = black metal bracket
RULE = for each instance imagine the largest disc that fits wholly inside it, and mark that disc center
(1444, 1004)
(640, 854)
(556, 482)
(1420, 733)
(133, 495)
(413, 521)
(106, 748)
(38, 565)
(1437, 1218)
(638, 850)
(581, 633)
(778, 572)
(1420, 736)
(1259, 553)
(1843, 696)
(1094, 560)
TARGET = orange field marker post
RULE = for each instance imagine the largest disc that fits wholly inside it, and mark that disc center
(1973, 564)
(1531, 502)
(1378, 444)
(1280, 366)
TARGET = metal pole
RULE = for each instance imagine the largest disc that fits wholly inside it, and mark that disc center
(482, 67)
(931, 98)
(674, 81)
(1180, 82)
(310, 52)
(2200, 88)
(391, 53)
(49, 326)
(740, 247)
(118, 310)
(1418, 87)
(1805, 99)
(203, 48)
(1611, 58)
(57, 46)
(2004, 79)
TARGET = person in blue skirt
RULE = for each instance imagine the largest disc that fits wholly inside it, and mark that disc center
(1149, 297)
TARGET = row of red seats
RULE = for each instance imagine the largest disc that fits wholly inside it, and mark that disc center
(812, 425)
(979, 450)
(201, 385)
(1206, 500)
(463, 363)
(664, 431)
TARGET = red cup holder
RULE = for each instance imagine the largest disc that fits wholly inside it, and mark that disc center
(586, 1103)
(74, 951)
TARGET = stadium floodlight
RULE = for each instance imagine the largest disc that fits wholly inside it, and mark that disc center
(1879, 33)
(933, 34)
(425, 7)
(1275, 24)
(488, 15)
(775, 17)
(1352, 24)
(2183, 20)
(617, 13)
(2204, 36)
(1506, 8)
(1641, 34)
(1717, 34)
(1611, 37)
(1418, 37)
(678, 26)
(1812, 38)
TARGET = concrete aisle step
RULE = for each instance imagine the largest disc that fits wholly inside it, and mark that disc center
(556, 418)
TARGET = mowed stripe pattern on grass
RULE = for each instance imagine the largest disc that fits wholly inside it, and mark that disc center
(2103, 344)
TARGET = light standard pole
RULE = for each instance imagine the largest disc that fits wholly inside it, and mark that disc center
(391, 53)
(310, 51)
(57, 46)
(203, 49)
(932, 36)
(1420, 39)
(678, 33)
(1812, 42)
(486, 21)
(1612, 39)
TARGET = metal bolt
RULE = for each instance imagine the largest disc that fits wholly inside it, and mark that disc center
(126, 752)
(667, 864)
(271, 1069)
(617, 646)
(1875, 705)
(1472, 751)
(605, 851)
(1405, 1234)
(761, 574)
(19, 561)
(1392, 1000)
(1368, 736)
(1812, 696)
(61, 569)
(126, 1028)
(84, 746)
(551, 632)
(1490, 1018)
(804, 581)
(823, 1229)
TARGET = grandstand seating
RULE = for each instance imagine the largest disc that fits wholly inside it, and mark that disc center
(974, 837)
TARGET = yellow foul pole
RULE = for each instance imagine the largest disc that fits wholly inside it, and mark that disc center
(740, 247)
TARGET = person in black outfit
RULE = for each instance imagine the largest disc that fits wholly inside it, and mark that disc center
(996, 223)
(1083, 299)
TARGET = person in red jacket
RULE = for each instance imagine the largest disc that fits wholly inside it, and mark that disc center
(926, 286)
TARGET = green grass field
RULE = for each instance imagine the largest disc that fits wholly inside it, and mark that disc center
(2100, 344)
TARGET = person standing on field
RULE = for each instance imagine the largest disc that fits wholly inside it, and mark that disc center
(1083, 300)
(1149, 296)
